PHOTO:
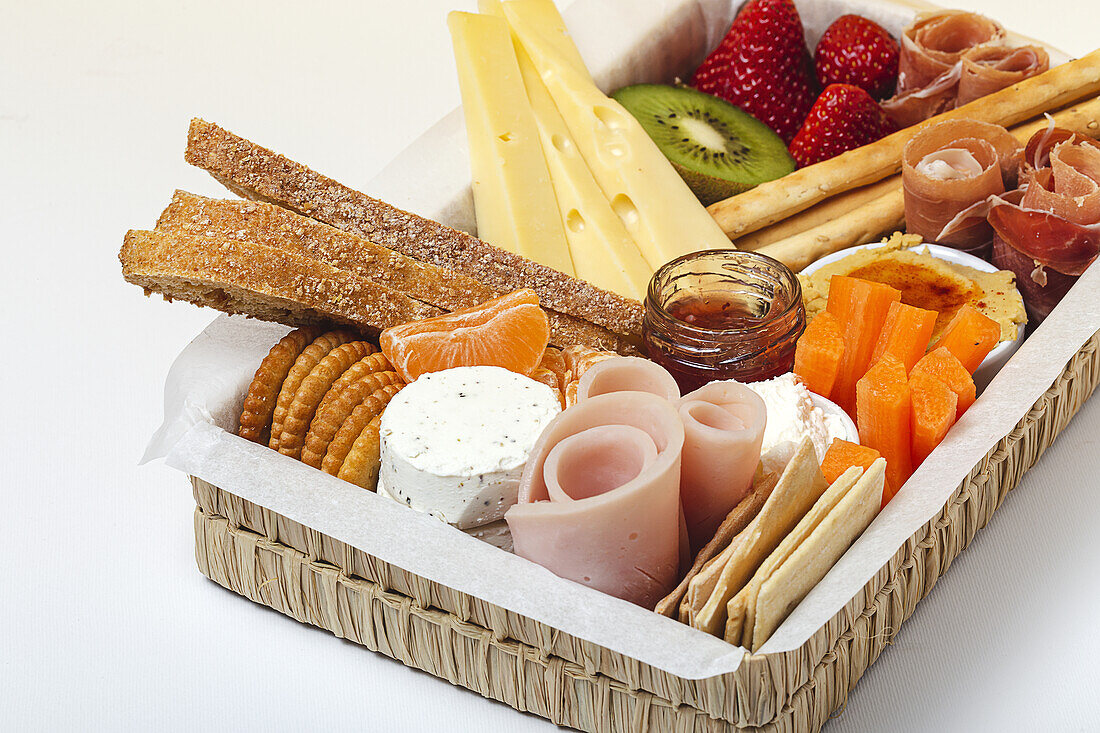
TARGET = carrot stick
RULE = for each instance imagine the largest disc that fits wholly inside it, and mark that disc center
(905, 334)
(882, 416)
(945, 366)
(970, 336)
(842, 455)
(818, 353)
(861, 307)
(933, 414)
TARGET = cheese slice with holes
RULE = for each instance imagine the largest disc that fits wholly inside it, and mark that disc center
(602, 249)
(648, 195)
(513, 198)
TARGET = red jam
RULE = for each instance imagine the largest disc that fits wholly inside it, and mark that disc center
(723, 314)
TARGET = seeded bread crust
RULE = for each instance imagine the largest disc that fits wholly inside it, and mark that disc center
(262, 282)
(257, 173)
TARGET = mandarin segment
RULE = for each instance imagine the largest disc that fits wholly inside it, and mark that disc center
(313, 390)
(333, 412)
(510, 332)
(259, 401)
(345, 437)
(361, 465)
(555, 362)
(303, 365)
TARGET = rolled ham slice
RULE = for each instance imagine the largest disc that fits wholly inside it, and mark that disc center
(599, 501)
(1049, 232)
(723, 429)
(935, 43)
(989, 69)
(627, 374)
(947, 168)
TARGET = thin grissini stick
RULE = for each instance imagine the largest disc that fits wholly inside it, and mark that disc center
(865, 224)
(777, 200)
(886, 213)
(823, 213)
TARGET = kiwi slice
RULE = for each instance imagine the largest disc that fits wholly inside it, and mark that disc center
(719, 149)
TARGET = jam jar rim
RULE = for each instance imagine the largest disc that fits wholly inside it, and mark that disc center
(653, 304)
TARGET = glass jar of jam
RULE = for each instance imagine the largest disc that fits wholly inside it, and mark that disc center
(723, 314)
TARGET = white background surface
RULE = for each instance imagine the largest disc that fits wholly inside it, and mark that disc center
(106, 623)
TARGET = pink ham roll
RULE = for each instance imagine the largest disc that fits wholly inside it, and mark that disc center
(627, 374)
(599, 501)
(723, 428)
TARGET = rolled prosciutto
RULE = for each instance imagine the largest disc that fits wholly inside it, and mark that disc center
(627, 374)
(723, 429)
(947, 168)
(989, 69)
(935, 43)
(599, 501)
(951, 58)
(1049, 232)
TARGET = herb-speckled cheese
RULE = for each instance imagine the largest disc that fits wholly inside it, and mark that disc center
(454, 443)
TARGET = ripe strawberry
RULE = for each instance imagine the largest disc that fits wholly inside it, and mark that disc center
(763, 66)
(842, 118)
(855, 50)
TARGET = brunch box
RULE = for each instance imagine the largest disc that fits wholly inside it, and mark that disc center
(397, 581)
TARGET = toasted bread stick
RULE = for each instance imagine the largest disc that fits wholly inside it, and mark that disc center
(275, 226)
(262, 282)
(260, 174)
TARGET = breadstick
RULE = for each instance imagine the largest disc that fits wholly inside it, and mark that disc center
(780, 199)
(867, 222)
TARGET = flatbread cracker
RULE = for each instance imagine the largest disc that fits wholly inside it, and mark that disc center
(815, 557)
(741, 610)
(736, 521)
(799, 487)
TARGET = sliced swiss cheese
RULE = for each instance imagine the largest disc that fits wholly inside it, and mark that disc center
(544, 15)
(513, 199)
(648, 195)
(603, 251)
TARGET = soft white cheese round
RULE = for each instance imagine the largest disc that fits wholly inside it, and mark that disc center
(791, 416)
(454, 443)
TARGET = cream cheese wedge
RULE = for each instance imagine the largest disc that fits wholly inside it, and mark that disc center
(454, 443)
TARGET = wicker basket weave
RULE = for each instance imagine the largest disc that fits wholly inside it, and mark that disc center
(535, 668)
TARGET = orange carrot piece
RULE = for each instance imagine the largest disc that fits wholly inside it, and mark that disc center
(970, 336)
(946, 367)
(818, 353)
(842, 455)
(861, 307)
(882, 416)
(932, 414)
(905, 334)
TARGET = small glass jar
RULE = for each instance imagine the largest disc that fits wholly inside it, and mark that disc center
(723, 314)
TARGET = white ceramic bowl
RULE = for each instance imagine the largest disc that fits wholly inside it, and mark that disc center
(1000, 354)
(831, 408)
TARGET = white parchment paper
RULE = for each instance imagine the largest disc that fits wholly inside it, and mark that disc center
(623, 41)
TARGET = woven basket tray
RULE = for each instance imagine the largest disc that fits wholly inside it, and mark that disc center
(535, 668)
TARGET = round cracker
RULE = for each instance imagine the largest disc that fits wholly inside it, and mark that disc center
(368, 409)
(259, 401)
(361, 465)
(335, 409)
(303, 365)
(313, 390)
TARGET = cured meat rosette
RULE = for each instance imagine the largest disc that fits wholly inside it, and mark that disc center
(951, 58)
(1048, 232)
(599, 501)
(947, 168)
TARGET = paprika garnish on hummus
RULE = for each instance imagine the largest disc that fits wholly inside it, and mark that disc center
(925, 282)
